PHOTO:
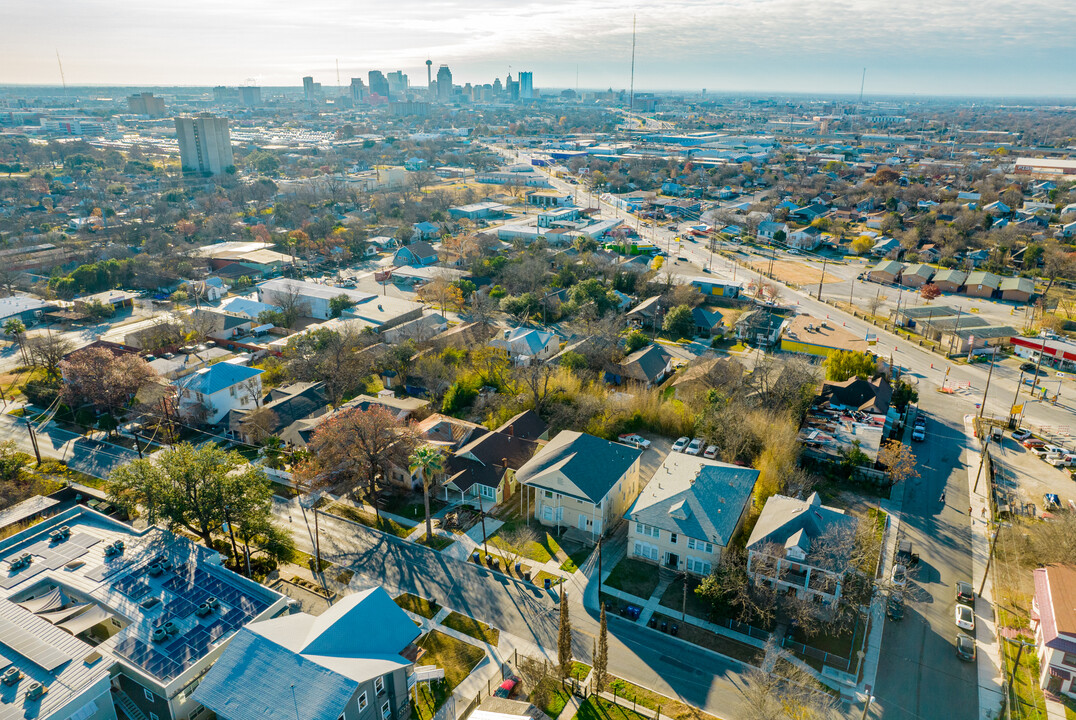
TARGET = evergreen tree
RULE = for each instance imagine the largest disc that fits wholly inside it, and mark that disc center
(601, 657)
(564, 639)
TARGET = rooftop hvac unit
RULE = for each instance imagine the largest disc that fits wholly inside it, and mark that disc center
(11, 676)
(35, 691)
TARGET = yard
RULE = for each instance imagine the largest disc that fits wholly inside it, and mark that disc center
(456, 657)
(475, 628)
(437, 542)
(419, 606)
(696, 606)
(649, 699)
(597, 708)
(576, 559)
(540, 550)
(410, 505)
(634, 577)
(712, 641)
(349, 512)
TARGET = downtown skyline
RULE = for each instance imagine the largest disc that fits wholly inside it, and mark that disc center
(731, 46)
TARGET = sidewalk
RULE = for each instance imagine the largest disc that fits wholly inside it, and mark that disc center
(989, 650)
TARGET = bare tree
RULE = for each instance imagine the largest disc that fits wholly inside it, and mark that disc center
(515, 542)
(259, 424)
(537, 381)
(790, 693)
(48, 351)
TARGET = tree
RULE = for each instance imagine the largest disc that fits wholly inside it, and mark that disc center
(601, 657)
(929, 292)
(108, 382)
(48, 351)
(516, 540)
(443, 292)
(843, 364)
(198, 490)
(12, 461)
(356, 448)
(328, 356)
(536, 379)
(679, 322)
(338, 304)
(17, 329)
(789, 693)
(899, 461)
(539, 679)
(862, 244)
(636, 340)
(904, 393)
(258, 425)
(875, 302)
(564, 638)
(428, 460)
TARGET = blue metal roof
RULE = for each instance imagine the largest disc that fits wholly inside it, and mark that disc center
(218, 377)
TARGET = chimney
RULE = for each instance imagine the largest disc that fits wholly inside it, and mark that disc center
(504, 462)
(510, 430)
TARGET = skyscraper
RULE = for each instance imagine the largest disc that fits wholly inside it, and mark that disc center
(146, 104)
(379, 84)
(250, 96)
(444, 84)
(511, 88)
(358, 90)
(205, 145)
(429, 74)
(526, 85)
(398, 83)
(308, 90)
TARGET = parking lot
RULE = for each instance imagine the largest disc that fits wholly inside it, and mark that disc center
(1022, 478)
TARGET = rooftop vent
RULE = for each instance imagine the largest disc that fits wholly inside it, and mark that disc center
(35, 691)
(11, 676)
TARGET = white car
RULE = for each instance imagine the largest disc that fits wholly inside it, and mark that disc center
(900, 575)
(1047, 450)
(680, 444)
(710, 452)
(695, 447)
(965, 618)
(1066, 459)
(635, 441)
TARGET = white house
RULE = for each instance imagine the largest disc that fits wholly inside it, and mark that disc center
(1053, 613)
(688, 513)
(807, 238)
(767, 229)
(207, 395)
(582, 482)
(312, 298)
(525, 345)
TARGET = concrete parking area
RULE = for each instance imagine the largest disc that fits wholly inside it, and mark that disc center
(1023, 478)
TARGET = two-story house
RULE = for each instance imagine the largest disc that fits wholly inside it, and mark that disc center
(582, 481)
(1053, 612)
(208, 395)
(688, 513)
(526, 345)
(355, 661)
(802, 547)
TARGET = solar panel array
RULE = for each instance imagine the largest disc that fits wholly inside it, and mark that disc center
(52, 554)
(30, 647)
(187, 589)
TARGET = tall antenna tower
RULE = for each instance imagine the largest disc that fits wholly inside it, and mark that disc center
(862, 81)
(62, 79)
(631, 91)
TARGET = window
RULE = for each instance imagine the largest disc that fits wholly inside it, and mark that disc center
(549, 494)
(699, 567)
(1069, 659)
(646, 550)
(487, 492)
(693, 544)
(548, 512)
(672, 538)
(385, 710)
(150, 697)
(362, 702)
(641, 529)
(379, 685)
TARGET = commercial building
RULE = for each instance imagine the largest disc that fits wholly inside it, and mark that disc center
(95, 614)
(688, 513)
(444, 84)
(526, 85)
(146, 104)
(379, 84)
(311, 298)
(205, 145)
(1046, 167)
(250, 96)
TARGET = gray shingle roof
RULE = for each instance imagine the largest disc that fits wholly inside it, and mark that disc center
(695, 497)
(783, 517)
(578, 465)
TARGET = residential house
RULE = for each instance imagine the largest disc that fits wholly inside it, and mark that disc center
(886, 272)
(916, 275)
(808, 213)
(291, 405)
(526, 345)
(418, 253)
(1017, 289)
(847, 414)
(808, 238)
(706, 372)
(582, 482)
(929, 253)
(802, 547)
(689, 512)
(1053, 615)
(977, 257)
(997, 208)
(425, 231)
(1068, 229)
(527, 425)
(708, 322)
(402, 408)
(447, 432)
(759, 327)
(487, 466)
(207, 395)
(355, 661)
(420, 329)
(884, 246)
(648, 313)
(981, 284)
(311, 298)
(950, 281)
(767, 229)
(647, 366)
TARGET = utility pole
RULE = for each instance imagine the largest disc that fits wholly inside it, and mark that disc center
(955, 328)
(138, 445)
(821, 279)
(33, 439)
(982, 405)
(1038, 363)
(1012, 413)
(989, 558)
(683, 607)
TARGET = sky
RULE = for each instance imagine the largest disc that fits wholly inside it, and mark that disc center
(927, 47)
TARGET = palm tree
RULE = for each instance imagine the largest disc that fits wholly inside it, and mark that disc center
(431, 462)
(17, 330)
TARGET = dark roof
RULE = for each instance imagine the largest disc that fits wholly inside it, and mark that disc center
(290, 403)
(783, 518)
(867, 395)
(579, 465)
(485, 459)
(645, 365)
(527, 425)
(420, 249)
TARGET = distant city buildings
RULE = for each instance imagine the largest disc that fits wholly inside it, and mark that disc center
(358, 90)
(379, 84)
(311, 92)
(444, 84)
(250, 96)
(205, 145)
(398, 84)
(146, 104)
(526, 85)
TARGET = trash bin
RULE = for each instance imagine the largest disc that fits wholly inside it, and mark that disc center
(476, 555)
(519, 568)
(527, 576)
(548, 583)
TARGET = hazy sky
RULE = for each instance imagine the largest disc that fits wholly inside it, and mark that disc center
(996, 47)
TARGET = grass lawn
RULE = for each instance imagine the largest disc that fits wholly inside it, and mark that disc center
(366, 518)
(712, 641)
(580, 670)
(307, 561)
(649, 699)
(674, 599)
(456, 657)
(576, 559)
(1026, 696)
(596, 708)
(475, 628)
(843, 645)
(410, 506)
(539, 579)
(418, 605)
(540, 551)
(282, 490)
(557, 700)
(634, 577)
(436, 542)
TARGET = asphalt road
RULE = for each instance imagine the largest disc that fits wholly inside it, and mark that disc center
(637, 654)
(919, 675)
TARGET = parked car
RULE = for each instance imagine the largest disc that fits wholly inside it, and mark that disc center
(1021, 434)
(1029, 443)
(919, 433)
(965, 647)
(710, 452)
(635, 441)
(965, 593)
(964, 617)
(900, 575)
(681, 444)
(695, 447)
(505, 689)
(1047, 450)
(894, 607)
(1065, 459)
(1030, 367)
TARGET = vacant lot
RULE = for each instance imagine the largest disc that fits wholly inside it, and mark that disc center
(796, 273)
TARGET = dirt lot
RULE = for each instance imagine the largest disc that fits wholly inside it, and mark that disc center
(1026, 478)
(793, 272)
